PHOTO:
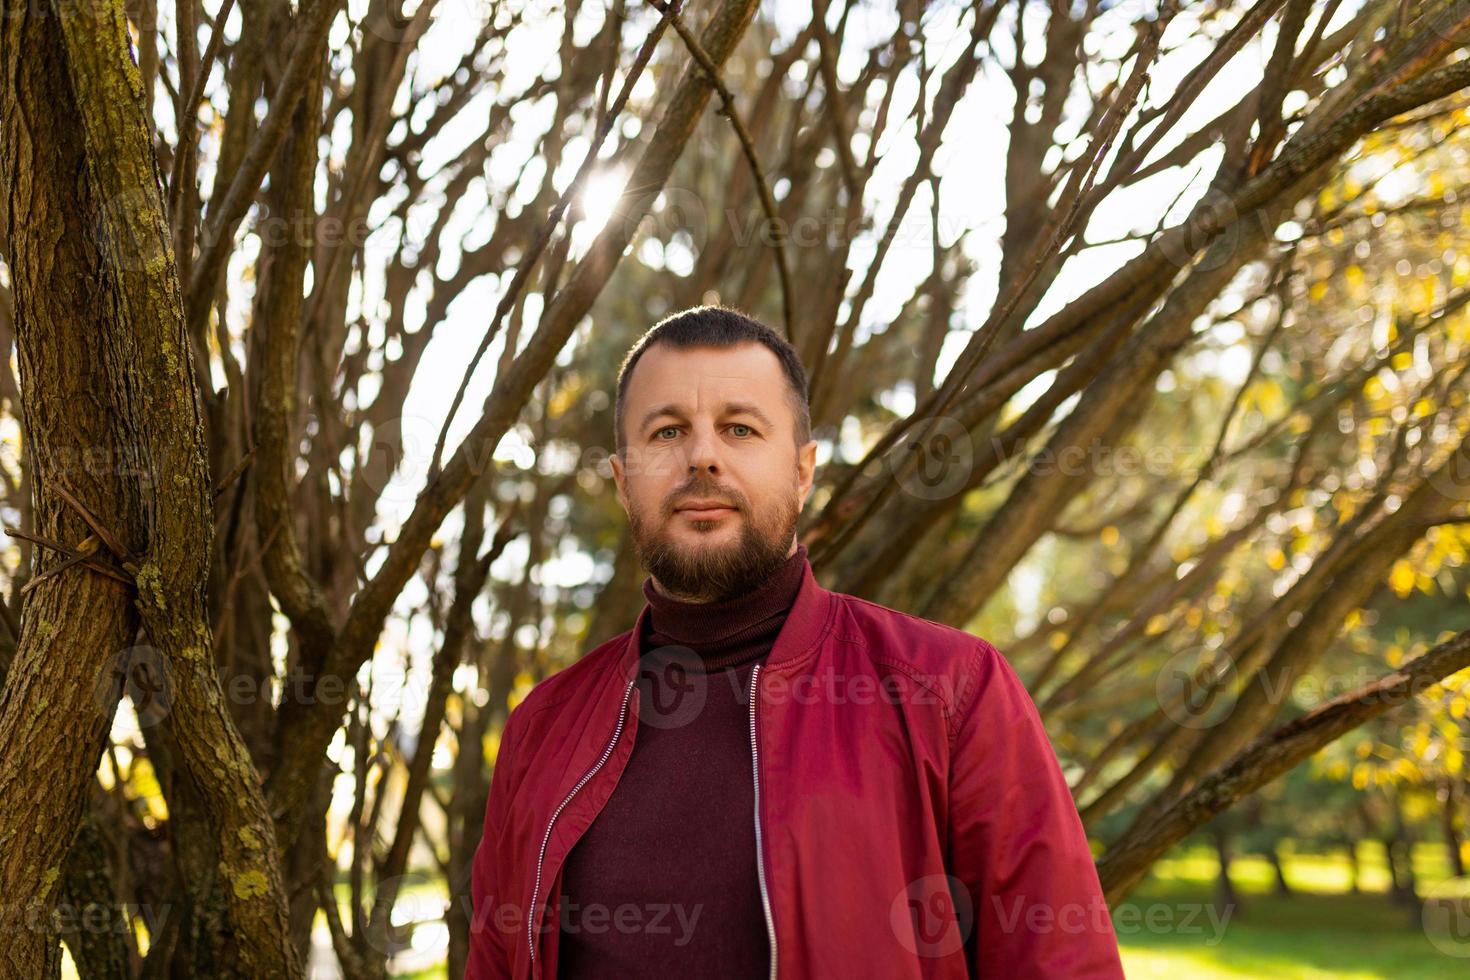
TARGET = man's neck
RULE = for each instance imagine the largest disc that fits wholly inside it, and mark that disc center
(727, 633)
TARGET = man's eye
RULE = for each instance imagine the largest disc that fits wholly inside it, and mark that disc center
(745, 430)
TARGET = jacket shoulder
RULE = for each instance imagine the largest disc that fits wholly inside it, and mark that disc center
(950, 661)
(570, 679)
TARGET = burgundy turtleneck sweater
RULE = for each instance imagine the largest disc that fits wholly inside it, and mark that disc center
(664, 882)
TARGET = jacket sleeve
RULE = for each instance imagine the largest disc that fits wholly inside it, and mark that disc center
(1017, 845)
(491, 931)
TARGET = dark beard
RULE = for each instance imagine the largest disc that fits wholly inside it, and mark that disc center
(716, 574)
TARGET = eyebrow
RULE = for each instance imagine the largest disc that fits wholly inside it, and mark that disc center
(730, 408)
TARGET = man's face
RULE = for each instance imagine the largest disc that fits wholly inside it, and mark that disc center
(711, 426)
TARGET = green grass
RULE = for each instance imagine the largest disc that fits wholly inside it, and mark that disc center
(1321, 931)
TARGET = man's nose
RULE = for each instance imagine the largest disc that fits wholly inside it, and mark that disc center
(704, 450)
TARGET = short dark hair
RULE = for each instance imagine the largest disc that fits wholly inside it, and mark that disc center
(718, 326)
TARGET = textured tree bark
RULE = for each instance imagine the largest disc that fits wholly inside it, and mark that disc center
(52, 724)
(90, 898)
(112, 408)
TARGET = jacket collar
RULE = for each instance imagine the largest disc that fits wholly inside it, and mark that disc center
(808, 620)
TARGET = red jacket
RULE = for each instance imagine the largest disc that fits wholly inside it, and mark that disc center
(910, 812)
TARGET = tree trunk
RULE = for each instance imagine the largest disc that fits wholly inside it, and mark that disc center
(1395, 875)
(1404, 889)
(112, 409)
(1450, 826)
(1225, 892)
(1273, 855)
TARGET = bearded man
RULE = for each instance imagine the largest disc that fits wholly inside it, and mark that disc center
(763, 777)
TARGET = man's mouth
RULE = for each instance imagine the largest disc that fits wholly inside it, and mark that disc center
(703, 510)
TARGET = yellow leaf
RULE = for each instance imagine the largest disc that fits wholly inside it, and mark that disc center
(1269, 397)
(1401, 579)
(564, 398)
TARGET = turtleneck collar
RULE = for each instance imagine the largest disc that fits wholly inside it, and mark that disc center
(731, 632)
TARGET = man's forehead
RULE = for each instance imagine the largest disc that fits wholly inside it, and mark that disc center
(707, 394)
(704, 372)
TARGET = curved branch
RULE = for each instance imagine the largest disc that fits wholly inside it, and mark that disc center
(1125, 864)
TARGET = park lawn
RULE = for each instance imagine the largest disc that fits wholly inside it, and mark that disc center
(1321, 931)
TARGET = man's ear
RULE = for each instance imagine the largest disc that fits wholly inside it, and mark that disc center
(806, 468)
(620, 479)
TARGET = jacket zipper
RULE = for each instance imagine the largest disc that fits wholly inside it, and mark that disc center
(536, 891)
(760, 861)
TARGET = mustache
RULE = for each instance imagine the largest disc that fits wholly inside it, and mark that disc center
(703, 491)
